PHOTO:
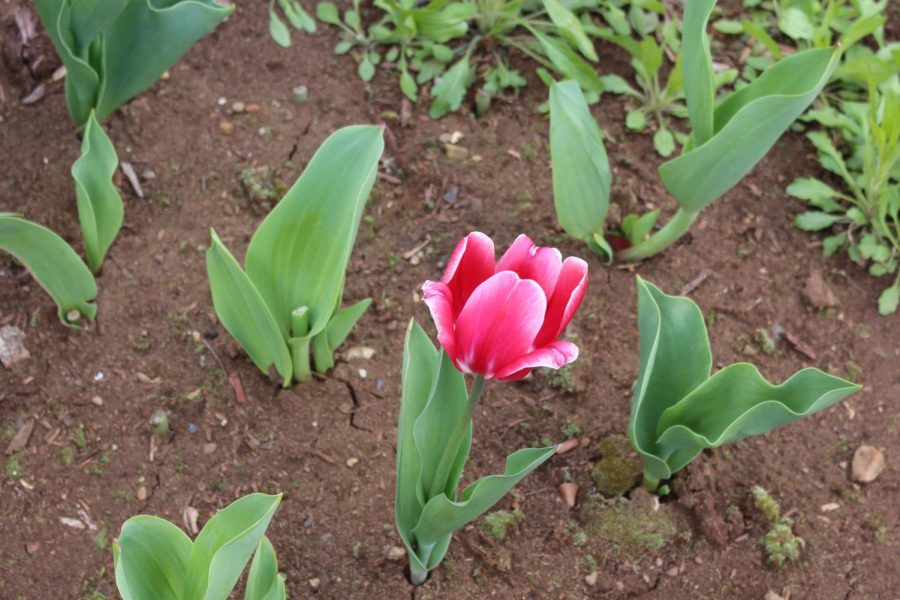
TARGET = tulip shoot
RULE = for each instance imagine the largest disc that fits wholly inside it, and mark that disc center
(285, 308)
(679, 409)
(54, 265)
(154, 560)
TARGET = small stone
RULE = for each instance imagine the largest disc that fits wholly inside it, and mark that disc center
(352, 461)
(141, 493)
(395, 553)
(314, 583)
(569, 493)
(591, 579)
(455, 153)
(253, 108)
(209, 448)
(831, 506)
(300, 94)
(226, 127)
(12, 346)
(362, 352)
(73, 316)
(238, 107)
(673, 572)
(868, 463)
(165, 76)
(770, 595)
(97, 401)
(148, 174)
(222, 101)
(32, 547)
(817, 292)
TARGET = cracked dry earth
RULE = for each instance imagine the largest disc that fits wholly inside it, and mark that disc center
(329, 445)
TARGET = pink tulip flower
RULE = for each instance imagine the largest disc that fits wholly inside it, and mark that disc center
(500, 320)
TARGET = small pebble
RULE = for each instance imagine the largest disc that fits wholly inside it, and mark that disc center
(314, 583)
(226, 127)
(253, 108)
(147, 175)
(141, 493)
(209, 448)
(868, 463)
(97, 400)
(591, 579)
(222, 101)
(363, 373)
(238, 107)
(192, 428)
(395, 553)
(352, 461)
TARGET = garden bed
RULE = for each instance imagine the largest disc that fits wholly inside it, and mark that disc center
(328, 445)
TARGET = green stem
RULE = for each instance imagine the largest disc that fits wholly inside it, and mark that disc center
(323, 357)
(662, 239)
(442, 473)
(299, 343)
(416, 576)
(650, 482)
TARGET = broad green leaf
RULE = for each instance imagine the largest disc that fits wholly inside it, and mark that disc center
(244, 313)
(89, 18)
(675, 360)
(567, 61)
(699, 87)
(751, 406)
(747, 124)
(570, 28)
(100, 209)
(811, 189)
(664, 142)
(366, 69)
(278, 30)
(581, 173)
(441, 516)
(635, 120)
(860, 29)
(53, 264)
(342, 323)
(420, 366)
(617, 85)
(264, 582)
(449, 92)
(151, 559)
(815, 220)
(225, 545)
(795, 24)
(327, 12)
(299, 254)
(889, 300)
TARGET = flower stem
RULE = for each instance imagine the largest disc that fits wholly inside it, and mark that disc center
(662, 239)
(416, 576)
(439, 482)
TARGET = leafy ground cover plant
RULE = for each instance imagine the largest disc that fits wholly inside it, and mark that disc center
(727, 139)
(115, 49)
(495, 320)
(780, 543)
(285, 309)
(679, 408)
(296, 16)
(443, 43)
(155, 560)
(53, 264)
(866, 208)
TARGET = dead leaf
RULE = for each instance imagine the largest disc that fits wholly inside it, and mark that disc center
(20, 440)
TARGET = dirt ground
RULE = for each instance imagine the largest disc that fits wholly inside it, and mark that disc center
(93, 455)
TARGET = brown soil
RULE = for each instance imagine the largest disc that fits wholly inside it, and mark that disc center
(336, 522)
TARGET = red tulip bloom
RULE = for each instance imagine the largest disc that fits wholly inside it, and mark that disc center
(501, 320)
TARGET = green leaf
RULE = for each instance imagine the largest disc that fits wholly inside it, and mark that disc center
(747, 124)
(299, 254)
(889, 300)
(570, 28)
(244, 313)
(664, 142)
(264, 582)
(299, 18)
(860, 29)
(449, 92)
(278, 30)
(815, 220)
(641, 226)
(343, 47)
(728, 26)
(342, 323)
(441, 516)
(150, 559)
(420, 366)
(366, 69)
(225, 545)
(581, 173)
(408, 86)
(795, 24)
(635, 120)
(53, 264)
(615, 84)
(89, 18)
(567, 61)
(327, 12)
(833, 243)
(697, 69)
(762, 36)
(811, 189)
(100, 207)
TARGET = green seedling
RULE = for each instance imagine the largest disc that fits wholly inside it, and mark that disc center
(780, 543)
(679, 408)
(296, 15)
(498, 523)
(285, 308)
(155, 560)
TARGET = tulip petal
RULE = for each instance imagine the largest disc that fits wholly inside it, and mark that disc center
(470, 264)
(566, 299)
(531, 261)
(498, 323)
(440, 303)
(555, 355)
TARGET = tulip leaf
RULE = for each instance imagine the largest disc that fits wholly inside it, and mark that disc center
(53, 264)
(581, 174)
(746, 125)
(244, 313)
(264, 582)
(678, 409)
(567, 62)
(100, 209)
(298, 255)
(697, 69)
(342, 323)
(225, 545)
(150, 559)
(441, 516)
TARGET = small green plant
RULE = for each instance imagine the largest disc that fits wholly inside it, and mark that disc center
(498, 523)
(14, 468)
(861, 146)
(284, 309)
(296, 15)
(155, 560)
(53, 264)
(618, 470)
(780, 544)
(562, 379)
(679, 408)
(628, 525)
